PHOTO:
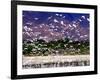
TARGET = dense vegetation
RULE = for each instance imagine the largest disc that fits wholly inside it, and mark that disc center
(60, 47)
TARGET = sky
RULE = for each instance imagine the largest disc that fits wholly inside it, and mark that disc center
(41, 17)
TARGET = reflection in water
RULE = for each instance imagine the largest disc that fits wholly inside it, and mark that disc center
(57, 64)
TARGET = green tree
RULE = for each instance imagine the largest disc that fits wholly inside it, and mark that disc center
(28, 50)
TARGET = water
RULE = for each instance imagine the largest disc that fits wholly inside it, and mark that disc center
(57, 64)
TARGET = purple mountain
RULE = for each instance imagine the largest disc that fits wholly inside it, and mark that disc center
(55, 28)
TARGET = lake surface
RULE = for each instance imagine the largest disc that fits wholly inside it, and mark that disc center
(55, 61)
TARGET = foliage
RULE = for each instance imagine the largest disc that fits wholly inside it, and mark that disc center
(60, 47)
